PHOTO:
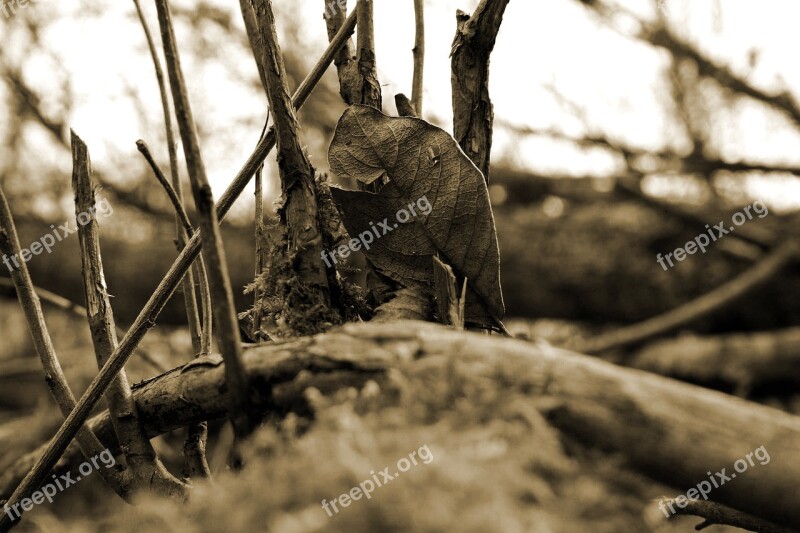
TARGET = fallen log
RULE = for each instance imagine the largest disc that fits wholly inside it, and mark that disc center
(672, 431)
(743, 359)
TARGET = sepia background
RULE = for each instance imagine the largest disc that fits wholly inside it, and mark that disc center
(621, 130)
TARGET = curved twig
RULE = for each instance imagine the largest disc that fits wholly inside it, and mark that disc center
(473, 113)
(768, 267)
(714, 513)
(177, 205)
(54, 375)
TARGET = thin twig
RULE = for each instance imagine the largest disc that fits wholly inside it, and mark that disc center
(227, 325)
(257, 47)
(177, 205)
(148, 315)
(419, 55)
(51, 298)
(77, 310)
(54, 375)
(200, 333)
(712, 301)
(715, 513)
(258, 228)
(145, 470)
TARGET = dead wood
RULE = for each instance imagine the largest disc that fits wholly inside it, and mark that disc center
(672, 431)
(743, 359)
(473, 113)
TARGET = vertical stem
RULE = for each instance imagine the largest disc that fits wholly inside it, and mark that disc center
(473, 113)
(370, 89)
(258, 226)
(145, 470)
(419, 56)
(54, 376)
(200, 333)
(297, 175)
(227, 330)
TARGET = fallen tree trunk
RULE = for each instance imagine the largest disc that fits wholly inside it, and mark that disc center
(670, 430)
(743, 359)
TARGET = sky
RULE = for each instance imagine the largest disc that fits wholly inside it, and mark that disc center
(544, 47)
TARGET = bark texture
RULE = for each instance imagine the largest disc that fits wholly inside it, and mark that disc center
(473, 113)
(672, 431)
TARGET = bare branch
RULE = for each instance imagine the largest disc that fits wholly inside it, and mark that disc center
(473, 113)
(147, 317)
(419, 56)
(369, 91)
(714, 513)
(345, 61)
(145, 470)
(260, 251)
(225, 317)
(299, 211)
(177, 205)
(767, 268)
(54, 375)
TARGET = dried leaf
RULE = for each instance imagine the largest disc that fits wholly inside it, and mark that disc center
(416, 161)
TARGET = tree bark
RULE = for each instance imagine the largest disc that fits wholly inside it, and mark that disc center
(670, 430)
(742, 359)
(473, 113)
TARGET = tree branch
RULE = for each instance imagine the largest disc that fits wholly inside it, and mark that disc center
(345, 61)
(473, 113)
(48, 458)
(227, 325)
(54, 375)
(595, 402)
(768, 267)
(419, 56)
(177, 205)
(369, 91)
(145, 470)
(299, 212)
(714, 513)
